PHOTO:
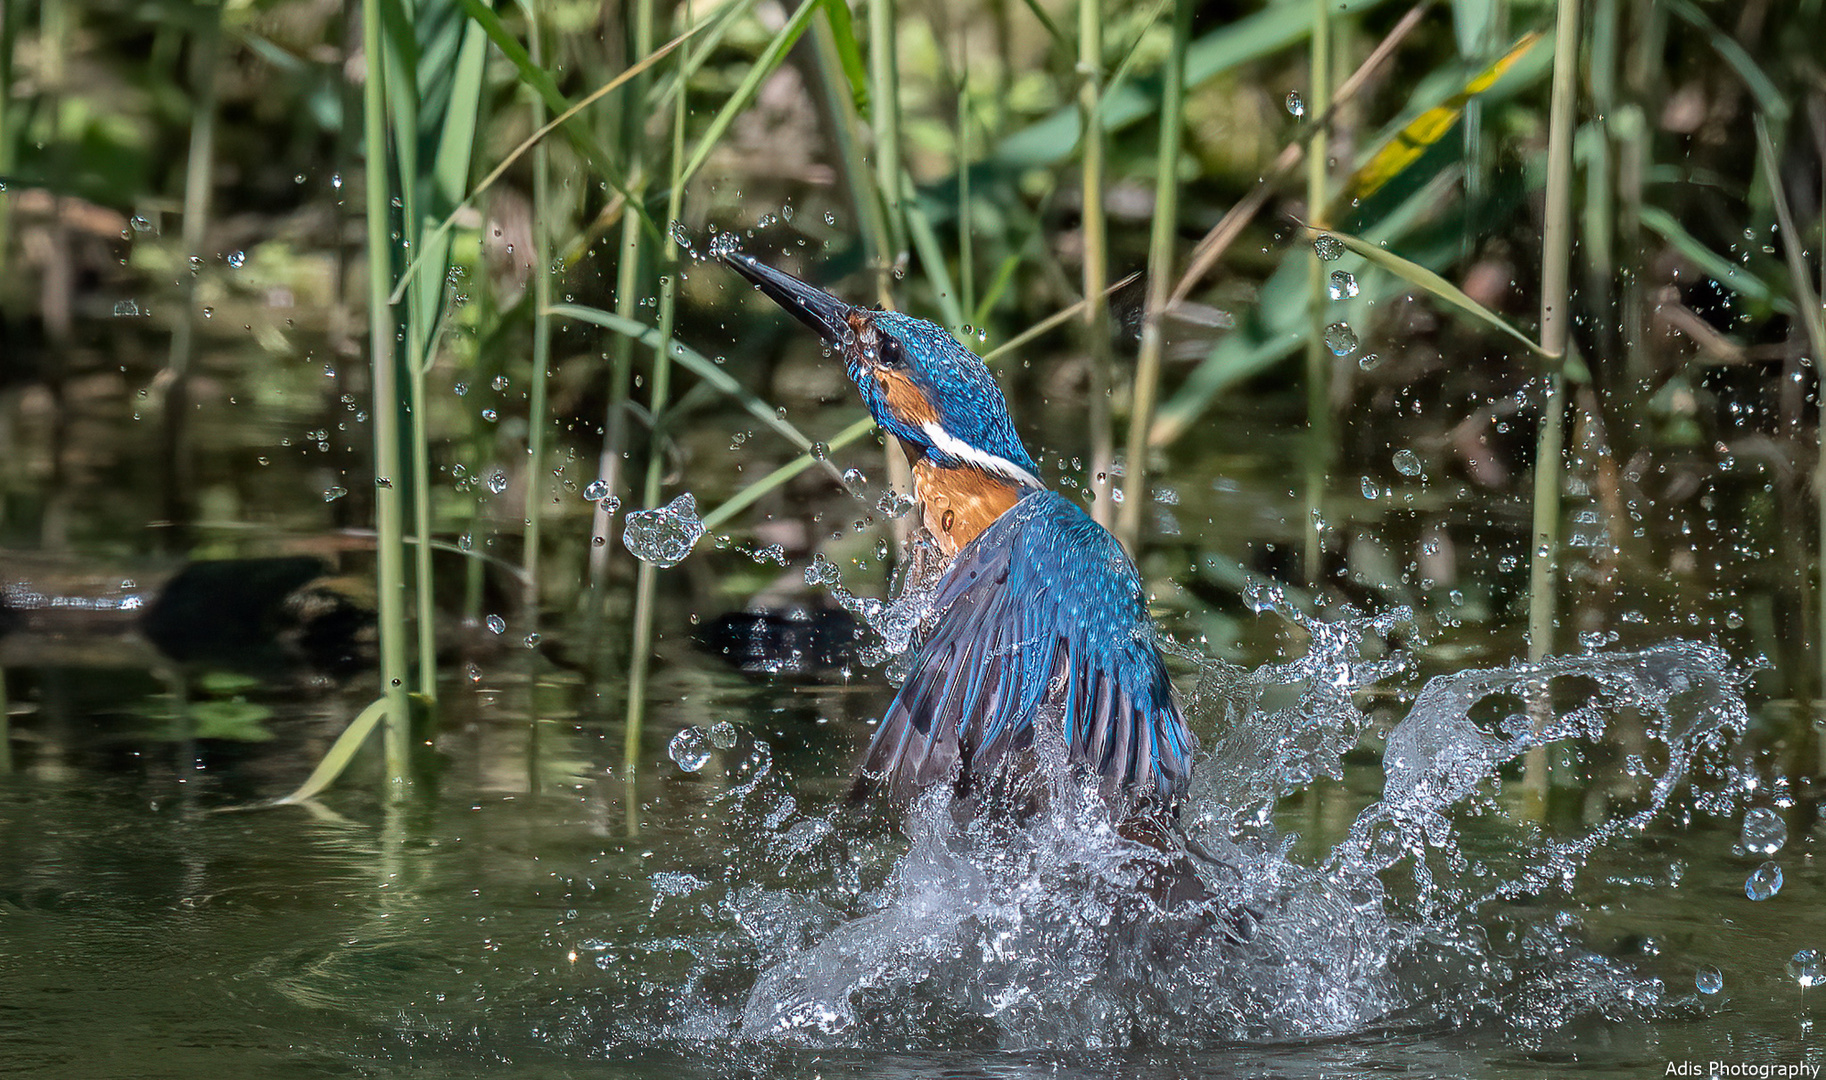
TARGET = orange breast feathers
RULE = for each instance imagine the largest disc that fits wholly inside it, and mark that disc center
(960, 502)
(905, 399)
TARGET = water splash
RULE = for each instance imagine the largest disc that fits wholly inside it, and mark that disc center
(664, 535)
(991, 933)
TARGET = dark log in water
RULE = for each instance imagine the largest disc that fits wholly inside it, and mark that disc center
(261, 614)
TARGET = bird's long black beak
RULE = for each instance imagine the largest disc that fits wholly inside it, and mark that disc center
(815, 308)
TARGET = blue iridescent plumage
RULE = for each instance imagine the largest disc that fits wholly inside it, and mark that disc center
(956, 383)
(1043, 609)
(1039, 617)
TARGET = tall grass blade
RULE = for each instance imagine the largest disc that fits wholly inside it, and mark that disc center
(849, 54)
(1160, 276)
(753, 491)
(764, 65)
(931, 256)
(1738, 278)
(1436, 286)
(696, 363)
(1277, 323)
(341, 752)
(1771, 100)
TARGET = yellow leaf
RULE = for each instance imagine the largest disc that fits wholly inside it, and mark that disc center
(1406, 146)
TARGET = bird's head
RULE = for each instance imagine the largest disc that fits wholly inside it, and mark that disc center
(931, 393)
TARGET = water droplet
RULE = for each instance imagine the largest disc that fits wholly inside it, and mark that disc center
(336, 181)
(1764, 833)
(331, 494)
(489, 415)
(822, 572)
(596, 490)
(1340, 339)
(1369, 488)
(722, 735)
(1369, 361)
(894, 504)
(209, 313)
(500, 382)
(820, 451)
(1343, 286)
(1295, 103)
(1709, 980)
(140, 224)
(1328, 247)
(126, 309)
(609, 505)
(496, 624)
(497, 481)
(1807, 968)
(1385, 845)
(689, 749)
(237, 259)
(854, 478)
(461, 389)
(532, 641)
(664, 535)
(1765, 881)
(1407, 463)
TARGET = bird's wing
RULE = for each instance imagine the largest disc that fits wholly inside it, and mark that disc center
(1044, 609)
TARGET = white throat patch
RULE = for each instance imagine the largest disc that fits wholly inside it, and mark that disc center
(953, 447)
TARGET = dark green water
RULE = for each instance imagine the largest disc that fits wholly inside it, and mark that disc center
(507, 926)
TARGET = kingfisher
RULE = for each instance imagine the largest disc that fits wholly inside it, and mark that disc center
(1037, 626)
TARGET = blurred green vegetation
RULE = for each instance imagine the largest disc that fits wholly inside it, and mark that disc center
(190, 216)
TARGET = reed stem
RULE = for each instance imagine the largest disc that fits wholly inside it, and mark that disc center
(629, 287)
(891, 244)
(966, 233)
(198, 172)
(644, 586)
(1160, 279)
(6, 728)
(1095, 231)
(1318, 363)
(537, 419)
(389, 509)
(1556, 327)
(1812, 318)
(884, 92)
(10, 20)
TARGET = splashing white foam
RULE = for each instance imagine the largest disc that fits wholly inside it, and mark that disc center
(1038, 931)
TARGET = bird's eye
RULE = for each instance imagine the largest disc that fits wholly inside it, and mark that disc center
(890, 353)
